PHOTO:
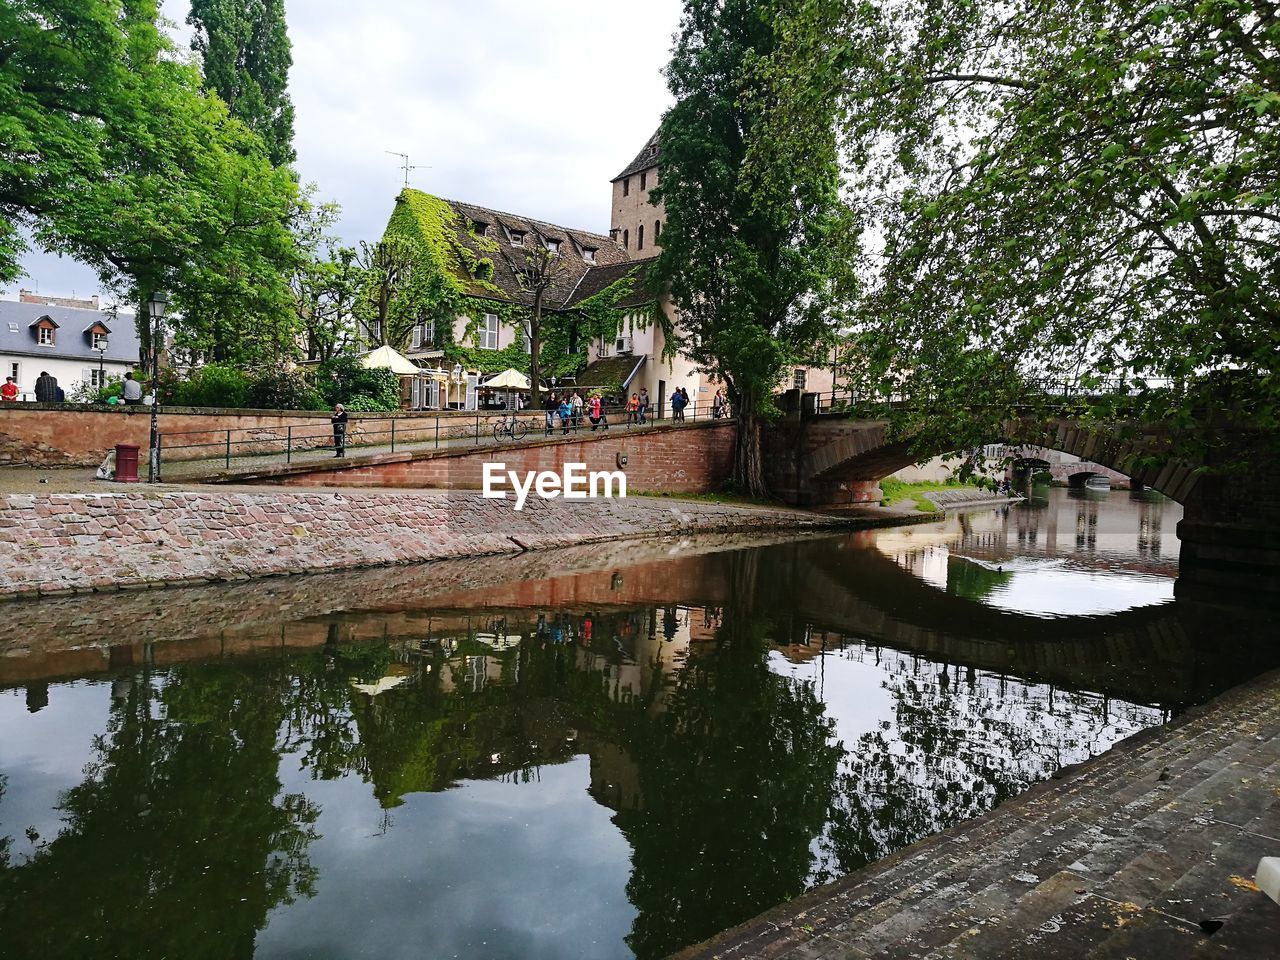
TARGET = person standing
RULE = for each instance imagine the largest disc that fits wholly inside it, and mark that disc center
(717, 405)
(576, 403)
(677, 405)
(339, 421)
(566, 412)
(593, 411)
(9, 392)
(550, 407)
(46, 388)
(643, 411)
(633, 408)
(131, 390)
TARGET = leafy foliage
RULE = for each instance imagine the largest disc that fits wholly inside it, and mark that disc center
(213, 385)
(1082, 189)
(343, 380)
(284, 390)
(748, 246)
(111, 153)
(246, 53)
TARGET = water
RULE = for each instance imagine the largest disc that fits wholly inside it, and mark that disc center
(603, 752)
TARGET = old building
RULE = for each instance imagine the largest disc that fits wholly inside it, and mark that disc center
(485, 251)
(71, 339)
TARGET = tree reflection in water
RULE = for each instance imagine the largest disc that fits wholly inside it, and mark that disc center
(727, 776)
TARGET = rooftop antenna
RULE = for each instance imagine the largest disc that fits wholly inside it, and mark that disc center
(405, 165)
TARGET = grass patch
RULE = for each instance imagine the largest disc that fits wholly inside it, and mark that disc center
(893, 491)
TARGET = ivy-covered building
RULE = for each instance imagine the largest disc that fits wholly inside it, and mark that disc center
(463, 308)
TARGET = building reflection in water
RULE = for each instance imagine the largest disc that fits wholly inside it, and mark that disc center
(749, 722)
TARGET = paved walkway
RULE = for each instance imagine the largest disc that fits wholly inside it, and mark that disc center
(1135, 854)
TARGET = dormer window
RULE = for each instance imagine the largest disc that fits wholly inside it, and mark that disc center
(99, 340)
(481, 229)
(45, 330)
(553, 246)
(589, 254)
(517, 238)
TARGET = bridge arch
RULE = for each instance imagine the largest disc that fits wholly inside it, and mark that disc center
(838, 460)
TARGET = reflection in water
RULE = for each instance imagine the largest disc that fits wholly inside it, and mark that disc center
(614, 761)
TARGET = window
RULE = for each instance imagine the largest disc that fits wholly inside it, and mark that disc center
(517, 238)
(526, 342)
(13, 328)
(99, 341)
(481, 228)
(644, 181)
(14, 370)
(626, 239)
(657, 230)
(640, 237)
(44, 336)
(589, 254)
(798, 378)
(553, 246)
(97, 377)
(626, 186)
(375, 331)
(489, 332)
(613, 234)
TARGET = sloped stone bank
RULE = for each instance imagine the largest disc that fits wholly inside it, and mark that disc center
(64, 543)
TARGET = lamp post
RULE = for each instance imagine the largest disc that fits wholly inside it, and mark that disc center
(155, 310)
(102, 353)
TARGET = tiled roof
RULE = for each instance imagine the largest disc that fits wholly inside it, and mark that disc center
(72, 341)
(611, 372)
(577, 278)
(646, 158)
(600, 277)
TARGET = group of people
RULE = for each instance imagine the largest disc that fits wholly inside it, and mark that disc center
(48, 391)
(571, 408)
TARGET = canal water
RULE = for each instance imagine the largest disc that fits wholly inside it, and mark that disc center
(603, 752)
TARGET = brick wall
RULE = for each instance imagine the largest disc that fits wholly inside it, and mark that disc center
(53, 544)
(691, 459)
(68, 435)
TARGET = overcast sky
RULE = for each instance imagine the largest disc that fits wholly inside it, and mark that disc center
(528, 108)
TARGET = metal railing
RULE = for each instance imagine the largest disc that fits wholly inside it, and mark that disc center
(1033, 392)
(411, 430)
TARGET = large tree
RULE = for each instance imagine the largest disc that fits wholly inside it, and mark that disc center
(110, 153)
(1084, 189)
(246, 52)
(749, 246)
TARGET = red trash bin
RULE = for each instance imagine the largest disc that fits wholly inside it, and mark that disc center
(127, 462)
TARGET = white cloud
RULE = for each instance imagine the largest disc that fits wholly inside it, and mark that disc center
(528, 108)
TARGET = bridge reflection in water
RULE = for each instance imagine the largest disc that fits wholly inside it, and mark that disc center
(584, 752)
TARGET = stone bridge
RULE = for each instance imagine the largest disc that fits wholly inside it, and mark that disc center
(1230, 531)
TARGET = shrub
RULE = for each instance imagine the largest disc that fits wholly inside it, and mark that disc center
(284, 390)
(361, 403)
(343, 380)
(213, 385)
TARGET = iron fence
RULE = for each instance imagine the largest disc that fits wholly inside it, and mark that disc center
(415, 430)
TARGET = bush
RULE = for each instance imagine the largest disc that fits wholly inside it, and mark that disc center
(284, 390)
(342, 380)
(213, 385)
(87, 393)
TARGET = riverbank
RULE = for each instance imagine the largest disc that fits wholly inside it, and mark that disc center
(53, 544)
(1146, 851)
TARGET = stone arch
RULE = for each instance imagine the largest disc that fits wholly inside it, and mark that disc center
(842, 460)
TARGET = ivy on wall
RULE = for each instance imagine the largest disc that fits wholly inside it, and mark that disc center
(450, 279)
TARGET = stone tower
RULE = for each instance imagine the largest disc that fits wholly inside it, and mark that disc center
(635, 222)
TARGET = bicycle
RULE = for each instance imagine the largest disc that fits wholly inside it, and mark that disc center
(511, 428)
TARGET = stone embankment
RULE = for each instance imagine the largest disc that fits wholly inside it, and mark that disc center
(962, 498)
(55, 544)
(1147, 851)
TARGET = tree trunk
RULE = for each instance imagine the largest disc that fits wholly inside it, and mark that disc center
(748, 458)
(535, 349)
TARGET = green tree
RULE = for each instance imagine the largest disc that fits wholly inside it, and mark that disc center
(110, 153)
(246, 52)
(749, 246)
(326, 282)
(1080, 189)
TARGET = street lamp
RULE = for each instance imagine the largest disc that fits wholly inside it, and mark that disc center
(102, 353)
(155, 310)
